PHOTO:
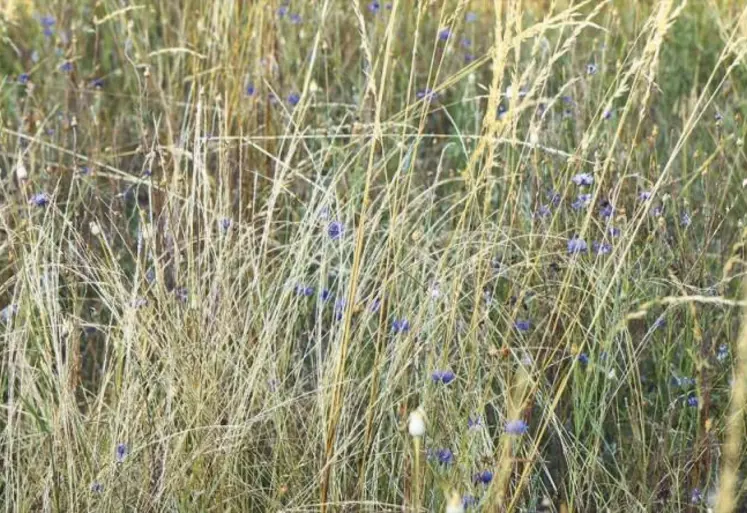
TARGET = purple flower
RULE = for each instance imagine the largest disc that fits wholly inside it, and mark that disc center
(591, 69)
(121, 452)
(400, 326)
(335, 230)
(516, 427)
(501, 113)
(583, 358)
(657, 211)
(685, 219)
(325, 295)
(660, 322)
(339, 309)
(577, 245)
(40, 199)
(554, 197)
(374, 7)
(696, 496)
(47, 21)
(718, 117)
(722, 353)
(139, 302)
(469, 501)
(225, 224)
(484, 477)
(444, 34)
(692, 401)
(607, 114)
(523, 325)
(249, 90)
(583, 179)
(282, 11)
(295, 18)
(97, 83)
(474, 423)
(375, 305)
(23, 78)
(66, 67)
(444, 456)
(581, 202)
(466, 42)
(614, 231)
(469, 57)
(303, 290)
(427, 94)
(294, 98)
(601, 248)
(443, 376)
(543, 211)
(607, 209)
(645, 195)
(97, 487)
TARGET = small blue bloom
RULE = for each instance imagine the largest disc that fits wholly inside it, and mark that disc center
(97, 83)
(607, 209)
(543, 211)
(581, 202)
(577, 245)
(484, 477)
(466, 42)
(445, 456)
(97, 487)
(607, 115)
(614, 231)
(447, 377)
(294, 98)
(474, 423)
(645, 195)
(326, 295)
(295, 18)
(225, 224)
(375, 305)
(696, 496)
(304, 290)
(47, 21)
(692, 401)
(468, 57)
(501, 113)
(657, 211)
(427, 94)
(722, 353)
(523, 325)
(41, 199)
(591, 69)
(282, 11)
(718, 117)
(249, 90)
(685, 219)
(554, 197)
(469, 501)
(516, 427)
(335, 230)
(601, 248)
(66, 67)
(583, 359)
(583, 179)
(339, 309)
(23, 78)
(400, 326)
(374, 7)
(444, 34)
(660, 322)
(121, 452)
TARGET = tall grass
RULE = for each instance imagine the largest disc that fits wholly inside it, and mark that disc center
(241, 242)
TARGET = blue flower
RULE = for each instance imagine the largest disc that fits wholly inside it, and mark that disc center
(577, 245)
(295, 18)
(523, 325)
(325, 295)
(607, 209)
(225, 224)
(601, 248)
(645, 195)
(304, 290)
(47, 21)
(607, 114)
(250, 89)
(335, 230)
(718, 117)
(443, 376)
(282, 11)
(591, 69)
(121, 452)
(466, 42)
(660, 322)
(469, 501)
(692, 401)
(554, 197)
(583, 358)
(469, 57)
(583, 179)
(23, 78)
(685, 219)
(501, 112)
(722, 353)
(66, 67)
(444, 456)
(97, 83)
(375, 305)
(582, 201)
(294, 98)
(444, 34)
(484, 477)
(400, 326)
(614, 231)
(97, 487)
(474, 423)
(40, 199)
(339, 309)
(516, 427)
(428, 94)
(696, 496)
(543, 211)
(374, 7)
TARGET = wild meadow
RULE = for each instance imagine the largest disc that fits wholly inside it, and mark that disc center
(362, 256)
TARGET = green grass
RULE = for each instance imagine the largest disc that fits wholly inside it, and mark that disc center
(185, 292)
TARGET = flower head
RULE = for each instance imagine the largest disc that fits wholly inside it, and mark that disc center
(66, 67)
(121, 452)
(484, 477)
(400, 326)
(591, 69)
(97, 83)
(41, 199)
(583, 359)
(304, 290)
(543, 211)
(607, 209)
(692, 401)
(601, 248)
(696, 496)
(97, 487)
(335, 230)
(295, 18)
(583, 179)
(225, 224)
(523, 325)
(294, 98)
(374, 7)
(645, 195)
(722, 353)
(577, 245)
(444, 456)
(23, 78)
(581, 202)
(516, 427)
(416, 423)
(249, 90)
(474, 423)
(444, 34)
(426, 94)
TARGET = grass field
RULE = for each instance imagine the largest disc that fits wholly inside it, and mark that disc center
(347, 256)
